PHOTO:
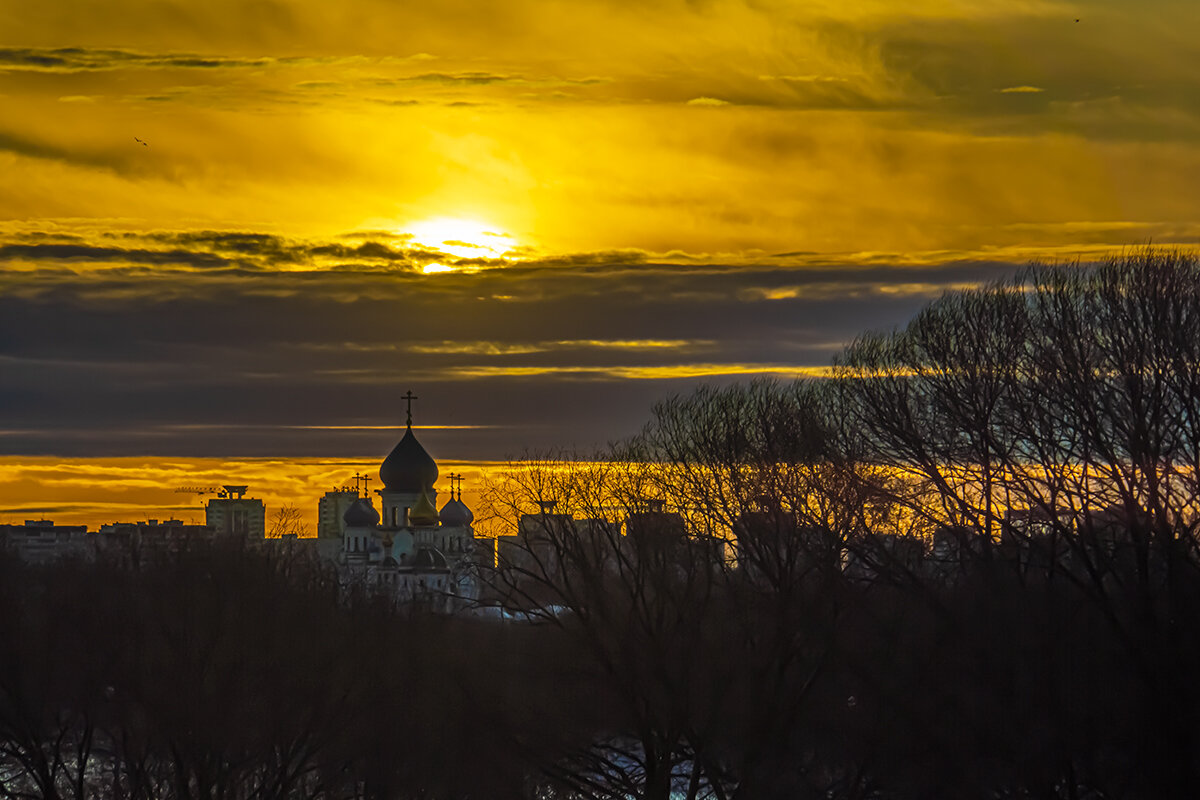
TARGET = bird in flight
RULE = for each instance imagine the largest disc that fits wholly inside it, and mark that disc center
(139, 141)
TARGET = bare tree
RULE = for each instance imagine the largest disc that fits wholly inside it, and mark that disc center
(625, 580)
(700, 564)
(771, 470)
(288, 521)
(1055, 416)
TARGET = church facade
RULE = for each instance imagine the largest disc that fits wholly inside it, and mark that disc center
(408, 549)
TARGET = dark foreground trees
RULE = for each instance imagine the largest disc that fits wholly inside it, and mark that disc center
(1057, 418)
(230, 672)
(964, 567)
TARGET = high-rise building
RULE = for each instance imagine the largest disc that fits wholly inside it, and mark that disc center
(330, 509)
(232, 513)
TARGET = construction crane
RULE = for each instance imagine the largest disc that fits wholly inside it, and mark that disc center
(201, 490)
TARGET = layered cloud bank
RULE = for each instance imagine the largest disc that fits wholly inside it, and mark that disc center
(222, 343)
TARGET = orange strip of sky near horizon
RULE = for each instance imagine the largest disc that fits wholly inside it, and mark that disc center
(95, 491)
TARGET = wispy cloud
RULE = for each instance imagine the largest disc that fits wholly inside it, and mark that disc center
(495, 348)
(84, 59)
(39, 253)
(659, 373)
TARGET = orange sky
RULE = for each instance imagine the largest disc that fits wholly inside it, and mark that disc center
(242, 229)
(95, 491)
(719, 129)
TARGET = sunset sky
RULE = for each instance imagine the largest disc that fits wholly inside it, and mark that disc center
(243, 228)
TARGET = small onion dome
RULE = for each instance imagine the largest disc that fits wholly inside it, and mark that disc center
(429, 559)
(361, 514)
(423, 514)
(408, 468)
(455, 514)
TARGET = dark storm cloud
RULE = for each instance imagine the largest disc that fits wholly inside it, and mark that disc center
(88, 59)
(220, 249)
(166, 352)
(78, 252)
(273, 250)
(261, 244)
(377, 251)
(76, 59)
(389, 269)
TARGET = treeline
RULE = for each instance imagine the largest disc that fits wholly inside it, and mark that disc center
(811, 662)
(226, 674)
(224, 671)
(965, 567)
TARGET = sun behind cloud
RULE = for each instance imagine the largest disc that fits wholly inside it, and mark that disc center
(460, 237)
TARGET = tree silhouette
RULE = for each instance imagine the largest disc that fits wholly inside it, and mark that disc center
(1055, 416)
(288, 521)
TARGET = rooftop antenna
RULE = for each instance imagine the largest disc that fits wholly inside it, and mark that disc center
(409, 396)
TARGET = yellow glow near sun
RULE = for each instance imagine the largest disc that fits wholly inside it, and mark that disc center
(463, 238)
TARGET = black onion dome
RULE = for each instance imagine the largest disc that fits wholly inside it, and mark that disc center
(454, 513)
(429, 559)
(361, 514)
(408, 468)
